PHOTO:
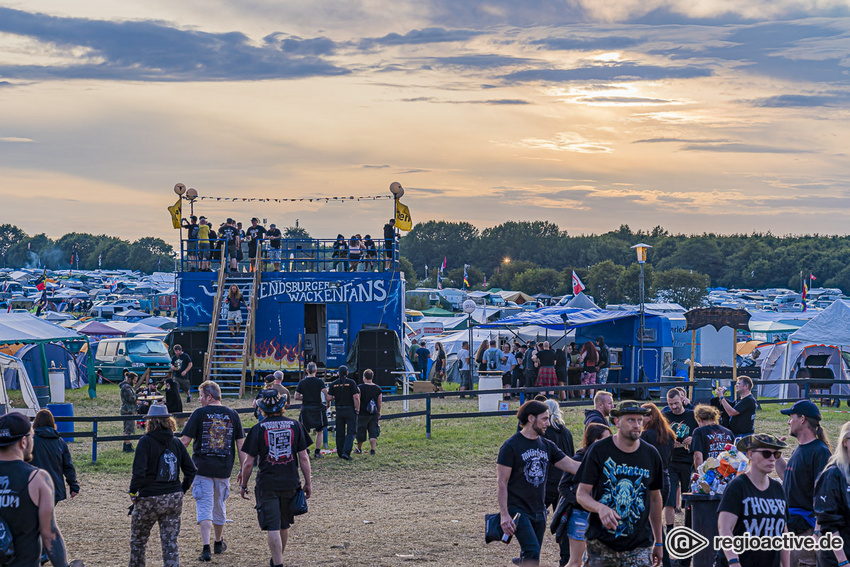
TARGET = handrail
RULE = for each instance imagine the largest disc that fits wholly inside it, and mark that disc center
(216, 313)
(248, 343)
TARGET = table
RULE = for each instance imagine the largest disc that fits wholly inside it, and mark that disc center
(405, 386)
(156, 398)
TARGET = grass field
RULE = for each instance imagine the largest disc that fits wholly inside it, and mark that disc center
(424, 499)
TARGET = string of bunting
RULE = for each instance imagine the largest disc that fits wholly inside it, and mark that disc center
(300, 199)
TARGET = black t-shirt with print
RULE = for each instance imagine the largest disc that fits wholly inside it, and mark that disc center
(529, 461)
(273, 234)
(173, 401)
(623, 482)
(215, 430)
(343, 391)
(229, 233)
(276, 440)
(369, 394)
(760, 513)
(683, 426)
(310, 389)
(711, 440)
(546, 357)
(181, 362)
(745, 421)
(253, 234)
(801, 472)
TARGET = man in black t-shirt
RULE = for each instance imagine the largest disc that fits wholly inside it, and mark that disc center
(346, 397)
(254, 234)
(683, 423)
(371, 398)
(742, 417)
(181, 365)
(230, 235)
(523, 465)
(801, 471)
(280, 446)
(217, 434)
(620, 485)
(273, 235)
(314, 413)
(389, 242)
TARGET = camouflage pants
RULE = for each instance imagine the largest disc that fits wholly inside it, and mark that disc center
(600, 555)
(129, 425)
(148, 510)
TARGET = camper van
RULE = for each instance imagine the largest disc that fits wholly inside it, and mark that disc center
(137, 354)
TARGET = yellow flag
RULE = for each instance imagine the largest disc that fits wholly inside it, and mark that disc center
(402, 217)
(176, 213)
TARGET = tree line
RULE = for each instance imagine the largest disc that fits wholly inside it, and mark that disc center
(89, 252)
(539, 257)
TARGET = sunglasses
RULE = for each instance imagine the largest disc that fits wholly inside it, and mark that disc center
(766, 453)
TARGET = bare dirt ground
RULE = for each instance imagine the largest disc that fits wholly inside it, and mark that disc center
(433, 517)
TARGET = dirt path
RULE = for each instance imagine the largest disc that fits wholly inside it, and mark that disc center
(432, 517)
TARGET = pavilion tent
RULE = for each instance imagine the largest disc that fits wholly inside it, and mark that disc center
(830, 327)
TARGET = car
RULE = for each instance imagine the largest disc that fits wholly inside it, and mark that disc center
(135, 354)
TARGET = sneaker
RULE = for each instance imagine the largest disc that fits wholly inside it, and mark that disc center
(371, 451)
(128, 448)
(219, 547)
(205, 554)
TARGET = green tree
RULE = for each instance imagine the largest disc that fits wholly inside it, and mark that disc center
(409, 273)
(9, 235)
(628, 284)
(503, 276)
(603, 282)
(538, 280)
(431, 241)
(685, 287)
(455, 278)
(295, 233)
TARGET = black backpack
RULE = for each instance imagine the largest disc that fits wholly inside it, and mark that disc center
(7, 544)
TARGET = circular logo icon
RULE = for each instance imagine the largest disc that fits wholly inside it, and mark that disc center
(683, 542)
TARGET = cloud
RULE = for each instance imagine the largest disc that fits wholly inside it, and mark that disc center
(16, 140)
(481, 61)
(586, 43)
(677, 140)
(368, 166)
(494, 101)
(4, 84)
(566, 142)
(800, 101)
(618, 72)
(421, 36)
(157, 51)
(736, 147)
(627, 100)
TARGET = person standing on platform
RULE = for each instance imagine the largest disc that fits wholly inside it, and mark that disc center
(832, 501)
(389, 243)
(314, 413)
(754, 503)
(346, 396)
(742, 417)
(217, 434)
(710, 438)
(620, 485)
(683, 423)
(801, 471)
(368, 420)
(522, 467)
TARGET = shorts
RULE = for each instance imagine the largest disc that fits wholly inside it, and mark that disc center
(234, 317)
(588, 378)
(506, 378)
(273, 509)
(388, 248)
(314, 417)
(204, 253)
(252, 251)
(578, 524)
(602, 376)
(680, 473)
(232, 250)
(367, 423)
(210, 496)
(274, 254)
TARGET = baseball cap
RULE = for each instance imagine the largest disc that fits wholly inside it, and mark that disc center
(272, 225)
(13, 427)
(806, 408)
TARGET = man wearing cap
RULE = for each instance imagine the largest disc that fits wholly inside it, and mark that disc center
(254, 234)
(273, 381)
(273, 235)
(26, 498)
(754, 503)
(280, 446)
(217, 432)
(801, 471)
(230, 235)
(742, 417)
(620, 485)
(346, 397)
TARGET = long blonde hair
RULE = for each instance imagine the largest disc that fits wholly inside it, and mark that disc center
(840, 455)
(555, 413)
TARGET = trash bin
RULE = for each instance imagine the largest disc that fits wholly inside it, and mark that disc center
(63, 410)
(57, 385)
(704, 519)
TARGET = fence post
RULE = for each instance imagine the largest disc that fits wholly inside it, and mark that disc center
(806, 389)
(428, 417)
(94, 441)
(325, 437)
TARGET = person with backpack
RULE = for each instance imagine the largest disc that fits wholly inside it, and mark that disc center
(26, 509)
(155, 487)
(493, 357)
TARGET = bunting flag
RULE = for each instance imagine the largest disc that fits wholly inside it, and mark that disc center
(176, 213)
(465, 276)
(805, 294)
(443, 267)
(403, 221)
(578, 287)
(41, 282)
(99, 259)
(293, 200)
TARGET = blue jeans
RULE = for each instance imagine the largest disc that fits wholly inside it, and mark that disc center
(529, 533)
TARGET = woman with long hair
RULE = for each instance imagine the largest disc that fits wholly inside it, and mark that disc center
(560, 435)
(439, 372)
(235, 300)
(832, 500)
(479, 356)
(589, 357)
(572, 541)
(658, 433)
(355, 252)
(340, 251)
(155, 488)
(50, 452)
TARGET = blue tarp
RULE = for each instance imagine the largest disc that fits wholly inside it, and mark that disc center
(552, 318)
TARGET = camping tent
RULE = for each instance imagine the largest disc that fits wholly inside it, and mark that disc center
(830, 327)
(773, 359)
(13, 370)
(97, 330)
(581, 301)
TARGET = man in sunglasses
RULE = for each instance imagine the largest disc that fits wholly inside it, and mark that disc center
(754, 503)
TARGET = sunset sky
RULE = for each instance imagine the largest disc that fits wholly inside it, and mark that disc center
(708, 116)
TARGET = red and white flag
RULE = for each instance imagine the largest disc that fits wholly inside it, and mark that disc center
(812, 276)
(578, 287)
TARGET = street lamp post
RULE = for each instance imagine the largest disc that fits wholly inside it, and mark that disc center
(469, 308)
(641, 249)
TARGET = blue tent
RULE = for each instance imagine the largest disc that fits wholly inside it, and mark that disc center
(621, 330)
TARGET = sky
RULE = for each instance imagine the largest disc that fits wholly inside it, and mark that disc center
(710, 116)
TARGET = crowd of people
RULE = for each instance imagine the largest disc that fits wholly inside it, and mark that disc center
(622, 487)
(231, 243)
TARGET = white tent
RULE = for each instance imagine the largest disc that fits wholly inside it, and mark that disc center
(12, 368)
(830, 327)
